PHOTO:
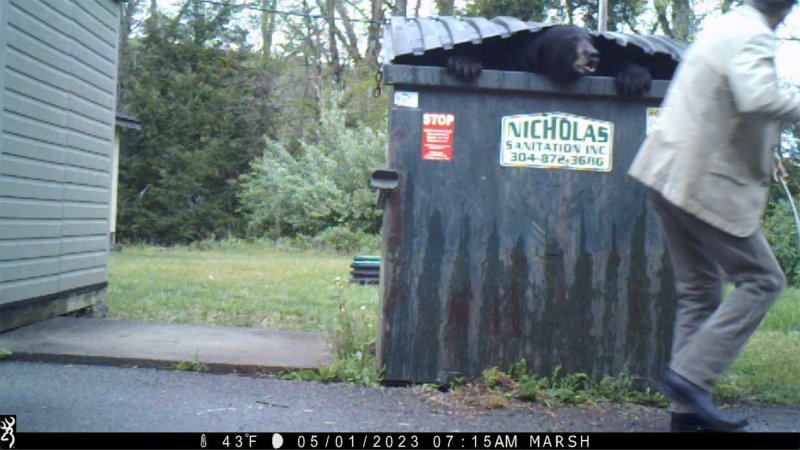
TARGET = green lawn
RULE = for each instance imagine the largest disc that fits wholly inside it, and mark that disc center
(249, 285)
(262, 285)
(769, 367)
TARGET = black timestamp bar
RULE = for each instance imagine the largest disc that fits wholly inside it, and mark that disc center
(324, 440)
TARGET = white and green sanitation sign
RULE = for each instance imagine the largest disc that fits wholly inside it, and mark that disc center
(557, 140)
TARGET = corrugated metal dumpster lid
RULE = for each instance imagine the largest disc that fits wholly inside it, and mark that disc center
(416, 36)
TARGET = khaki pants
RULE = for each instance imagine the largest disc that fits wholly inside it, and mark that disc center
(710, 333)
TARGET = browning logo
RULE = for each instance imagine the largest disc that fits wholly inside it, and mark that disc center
(8, 427)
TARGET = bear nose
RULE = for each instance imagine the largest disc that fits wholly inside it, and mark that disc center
(594, 56)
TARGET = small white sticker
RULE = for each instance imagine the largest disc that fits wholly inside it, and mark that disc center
(652, 119)
(406, 99)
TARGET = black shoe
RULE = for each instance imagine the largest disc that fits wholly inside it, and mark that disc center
(681, 390)
(689, 423)
(685, 423)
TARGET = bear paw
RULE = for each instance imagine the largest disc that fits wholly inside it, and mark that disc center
(633, 80)
(464, 67)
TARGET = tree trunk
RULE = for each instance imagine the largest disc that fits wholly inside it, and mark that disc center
(330, 18)
(399, 8)
(313, 56)
(267, 27)
(351, 42)
(445, 7)
(725, 6)
(374, 34)
(663, 19)
(126, 27)
(682, 20)
(570, 11)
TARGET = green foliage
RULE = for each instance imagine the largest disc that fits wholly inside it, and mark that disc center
(204, 108)
(344, 240)
(558, 389)
(781, 231)
(581, 12)
(326, 185)
(353, 333)
(5, 353)
(231, 283)
(784, 315)
(536, 10)
(192, 366)
(765, 372)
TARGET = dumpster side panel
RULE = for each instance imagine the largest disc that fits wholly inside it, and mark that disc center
(485, 265)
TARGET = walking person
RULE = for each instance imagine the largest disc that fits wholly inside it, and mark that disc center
(707, 166)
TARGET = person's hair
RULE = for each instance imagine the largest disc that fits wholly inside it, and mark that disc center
(772, 6)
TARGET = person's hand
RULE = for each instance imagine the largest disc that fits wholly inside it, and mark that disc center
(780, 171)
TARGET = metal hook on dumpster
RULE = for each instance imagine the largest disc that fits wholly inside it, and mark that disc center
(385, 180)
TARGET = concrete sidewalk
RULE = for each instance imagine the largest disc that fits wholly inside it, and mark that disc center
(160, 345)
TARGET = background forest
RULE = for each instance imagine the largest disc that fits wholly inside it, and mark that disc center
(259, 118)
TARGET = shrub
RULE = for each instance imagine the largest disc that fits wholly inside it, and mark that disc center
(782, 234)
(343, 239)
(325, 185)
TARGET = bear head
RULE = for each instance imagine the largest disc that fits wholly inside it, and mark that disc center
(562, 52)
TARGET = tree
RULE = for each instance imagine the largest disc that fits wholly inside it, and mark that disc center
(676, 19)
(127, 21)
(204, 108)
(621, 12)
(726, 5)
(267, 27)
(536, 10)
(374, 33)
(445, 7)
(399, 8)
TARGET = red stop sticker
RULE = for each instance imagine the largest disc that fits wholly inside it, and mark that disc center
(437, 136)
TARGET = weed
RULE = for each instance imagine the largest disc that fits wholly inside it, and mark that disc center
(555, 390)
(498, 380)
(727, 391)
(192, 366)
(302, 375)
(353, 336)
(5, 353)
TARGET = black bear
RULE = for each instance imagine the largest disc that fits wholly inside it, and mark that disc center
(562, 53)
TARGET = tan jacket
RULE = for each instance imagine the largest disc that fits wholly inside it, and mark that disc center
(711, 150)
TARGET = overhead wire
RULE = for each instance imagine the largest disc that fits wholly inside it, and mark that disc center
(256, 7)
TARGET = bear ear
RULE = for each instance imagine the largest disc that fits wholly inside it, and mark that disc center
(632, 80)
